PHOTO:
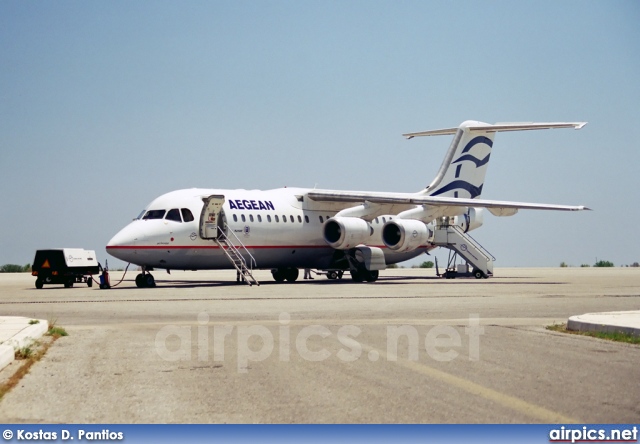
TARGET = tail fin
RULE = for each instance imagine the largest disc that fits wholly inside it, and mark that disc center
(465, 165)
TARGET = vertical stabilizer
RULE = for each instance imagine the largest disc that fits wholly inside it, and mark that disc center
(465, 166)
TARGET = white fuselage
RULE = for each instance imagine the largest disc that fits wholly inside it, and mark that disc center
(277, 227)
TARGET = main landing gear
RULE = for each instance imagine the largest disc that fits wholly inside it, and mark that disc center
(280, 274)
(363, 274)
(145, 280)
(291, 274)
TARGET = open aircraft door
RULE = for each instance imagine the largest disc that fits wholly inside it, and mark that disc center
(211, 217)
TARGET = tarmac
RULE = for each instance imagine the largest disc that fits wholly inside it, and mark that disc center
(409, 348)
(17, 332)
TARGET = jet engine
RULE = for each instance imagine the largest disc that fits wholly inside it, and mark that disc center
(470, 220)
(342, 233)
(403, 235)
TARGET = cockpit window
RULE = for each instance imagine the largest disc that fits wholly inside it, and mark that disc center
(186, 215)
(141, 214)
(154, 214)
(174, 215)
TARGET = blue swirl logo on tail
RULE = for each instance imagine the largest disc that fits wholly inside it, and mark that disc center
(478, 162)
(473, 190)
(458, 184)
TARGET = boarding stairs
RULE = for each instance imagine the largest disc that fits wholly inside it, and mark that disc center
(454, 238)
(234, 252)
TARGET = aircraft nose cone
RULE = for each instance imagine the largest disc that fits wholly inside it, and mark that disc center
(122, 245)
(124, 238)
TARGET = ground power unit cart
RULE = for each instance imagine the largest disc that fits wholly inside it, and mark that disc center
(64, 266)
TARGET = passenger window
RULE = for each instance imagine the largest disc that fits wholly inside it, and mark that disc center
(186, 215)
(235, 218)
(269, 218)
(327, 217)
(244, 219)
(277, 220)
(384, 221)
(174, 215)
(377, 222)
(259, 218)
(154, 214)
(306, 218)
(299, 219)
(251, 217)
(284, 219)
(291, 219)
(321, 220)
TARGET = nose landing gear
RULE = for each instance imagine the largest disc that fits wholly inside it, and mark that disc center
(145, 280)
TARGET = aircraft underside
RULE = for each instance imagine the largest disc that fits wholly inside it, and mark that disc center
(283, 261)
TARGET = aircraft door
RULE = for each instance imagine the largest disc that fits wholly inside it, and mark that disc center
(211, 217)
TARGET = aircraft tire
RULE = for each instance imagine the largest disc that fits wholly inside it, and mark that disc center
(371, 276)
(150, 281)
(140, 281)
(292, 274)
(278, 274)
(357, 276)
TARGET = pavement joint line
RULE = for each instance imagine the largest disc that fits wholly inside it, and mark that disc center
(459, 322)
(264, 298)
(532, 410)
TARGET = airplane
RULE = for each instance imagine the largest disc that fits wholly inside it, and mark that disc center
(334, 231)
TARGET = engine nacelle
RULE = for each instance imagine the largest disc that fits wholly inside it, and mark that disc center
(342, 233)
(403, 235)
(470, 220)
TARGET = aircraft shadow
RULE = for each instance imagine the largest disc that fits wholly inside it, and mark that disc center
(392, 280)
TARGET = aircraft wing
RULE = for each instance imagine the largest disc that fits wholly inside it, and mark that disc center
(496, 207)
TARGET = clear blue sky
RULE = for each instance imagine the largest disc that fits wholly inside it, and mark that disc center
(106, 105)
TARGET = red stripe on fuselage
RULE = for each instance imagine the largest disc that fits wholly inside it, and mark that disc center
(205, 247)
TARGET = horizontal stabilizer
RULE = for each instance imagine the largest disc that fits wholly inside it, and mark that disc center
(498, 127)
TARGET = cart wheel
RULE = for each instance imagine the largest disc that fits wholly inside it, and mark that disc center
(478, 274)
(332, 275)
(39, 284)
(68, 284)
(90, 282)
